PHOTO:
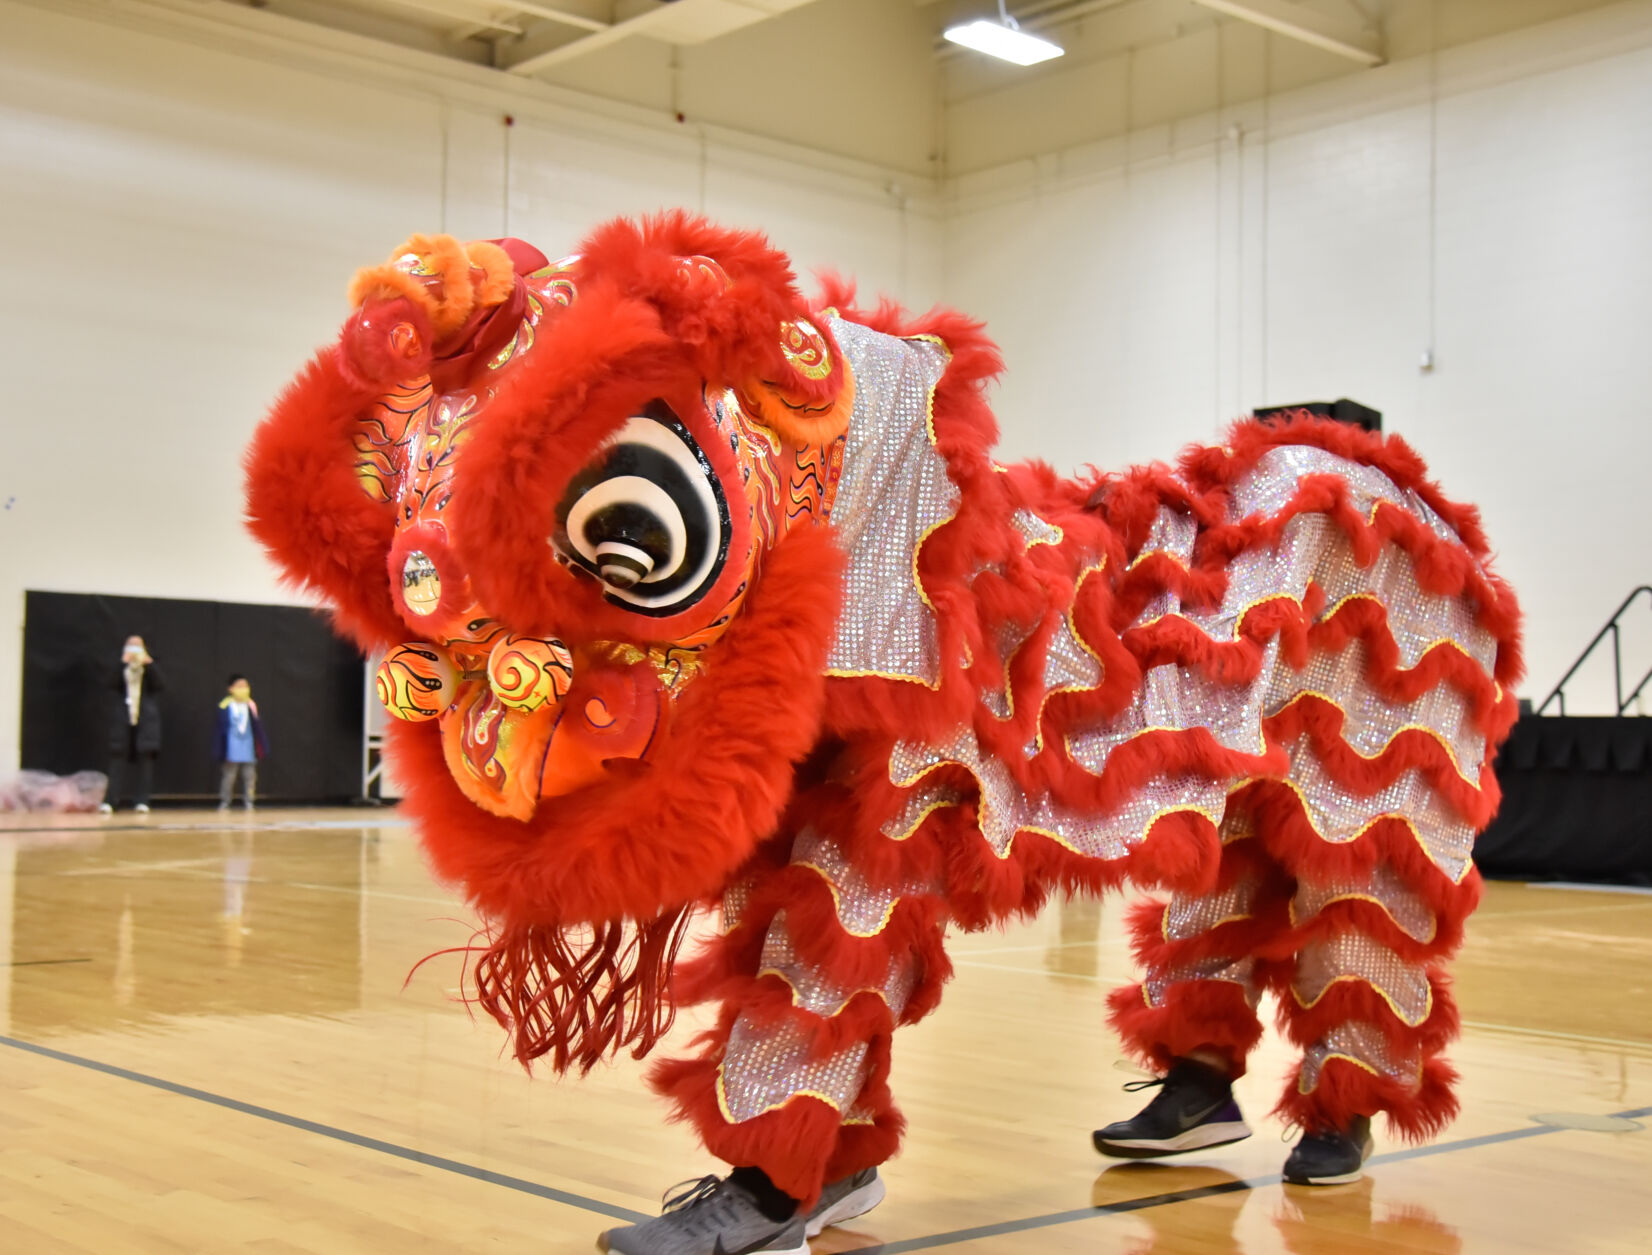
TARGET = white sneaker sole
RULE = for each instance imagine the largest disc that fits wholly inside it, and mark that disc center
(1346, 1178)
(848, 1207)
(1200, 1137)
(802, 1248)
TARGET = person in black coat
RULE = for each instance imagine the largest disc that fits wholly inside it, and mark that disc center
(134, 724)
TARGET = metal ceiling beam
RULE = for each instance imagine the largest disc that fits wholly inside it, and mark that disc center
(470, 14)
(552, 14)
(1345, 39)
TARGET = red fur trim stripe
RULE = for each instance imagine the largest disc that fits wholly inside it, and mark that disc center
(1345, 1090)
(1195, 1015)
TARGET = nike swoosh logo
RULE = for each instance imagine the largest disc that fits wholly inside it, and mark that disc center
(1188, 1120)
(719, 1249)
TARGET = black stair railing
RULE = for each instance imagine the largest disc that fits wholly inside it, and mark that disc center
(1613, 629)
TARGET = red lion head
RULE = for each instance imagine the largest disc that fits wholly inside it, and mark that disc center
(577, 506)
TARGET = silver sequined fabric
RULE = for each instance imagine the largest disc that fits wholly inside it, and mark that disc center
(1354, 956)
(1371, 721)
(919, 805)
(863, 909)
(1004, 808)
(893, 492)
(1418, 619)
(1172, 534)
(1186, 916)
(815, 992)
(1311, 549)
(765, 1067)
(1160, 981)
(1383, 887)
(1340, 815)
(1363, 1044)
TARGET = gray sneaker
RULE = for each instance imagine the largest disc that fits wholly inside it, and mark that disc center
(711, 1216)
(844, 1200)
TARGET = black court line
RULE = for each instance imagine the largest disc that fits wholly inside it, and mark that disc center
(1204, 1191)
(338, 1135)
(951, 1238)
(42, 962)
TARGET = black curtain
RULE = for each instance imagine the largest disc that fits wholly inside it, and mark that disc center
(1577, 802)
(307, 683)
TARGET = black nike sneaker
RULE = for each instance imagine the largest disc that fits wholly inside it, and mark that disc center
(1331, 1157)
(1193, 1110)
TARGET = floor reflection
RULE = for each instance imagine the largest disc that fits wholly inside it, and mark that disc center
(1188, 1207)
(134, 927)
(1076, 948)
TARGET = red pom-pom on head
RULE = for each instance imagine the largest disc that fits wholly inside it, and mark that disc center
(386, 342)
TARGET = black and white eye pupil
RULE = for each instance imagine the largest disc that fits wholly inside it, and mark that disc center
(647, 517)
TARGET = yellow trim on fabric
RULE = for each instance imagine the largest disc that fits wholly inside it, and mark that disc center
(927, 811)
(1072, 628)
(797, 999)
(1434, 644)
(1145, 554)
(1060, 840)
(1355, 896)
(842, 673)
(1358, 1063)
(1262, 742)
(1380, 992)
(728, 1116)
(1164, 924)
(1468, 863)
(1165, 813)
(1446, 745)
(837, 901)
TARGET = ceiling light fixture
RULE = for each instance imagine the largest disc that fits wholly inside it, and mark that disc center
(1003, 39)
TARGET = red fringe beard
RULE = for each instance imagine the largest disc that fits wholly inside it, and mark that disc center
(582, 993)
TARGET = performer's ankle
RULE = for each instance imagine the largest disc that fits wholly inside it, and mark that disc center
(1214, 1060)
(772, 1201)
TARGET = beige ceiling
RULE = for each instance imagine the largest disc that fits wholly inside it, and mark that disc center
(872, 79)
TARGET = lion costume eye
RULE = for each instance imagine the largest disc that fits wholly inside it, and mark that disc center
(648, 517)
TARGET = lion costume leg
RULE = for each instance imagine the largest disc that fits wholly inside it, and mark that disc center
(1356, 960)
(1202, 977)
(1367, 998)
(1346, 871)
(817, 966)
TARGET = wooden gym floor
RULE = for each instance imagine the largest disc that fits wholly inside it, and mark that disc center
(206, 1045)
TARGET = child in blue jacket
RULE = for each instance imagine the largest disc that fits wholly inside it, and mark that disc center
(240, 742)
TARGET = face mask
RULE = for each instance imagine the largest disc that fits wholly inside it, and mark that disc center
(241, 693)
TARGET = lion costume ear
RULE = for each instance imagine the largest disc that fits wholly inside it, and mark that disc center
(446, 280)
(811, 399)
(731, 297)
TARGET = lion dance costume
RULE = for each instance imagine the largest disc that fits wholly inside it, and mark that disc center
(695, 593)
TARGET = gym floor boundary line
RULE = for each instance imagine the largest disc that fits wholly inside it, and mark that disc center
(1005, 1227)
(360, 1140)
(567, 1198)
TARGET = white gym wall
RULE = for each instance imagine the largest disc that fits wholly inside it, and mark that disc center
(1491, 207)
(183, 214)
(183, 221)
